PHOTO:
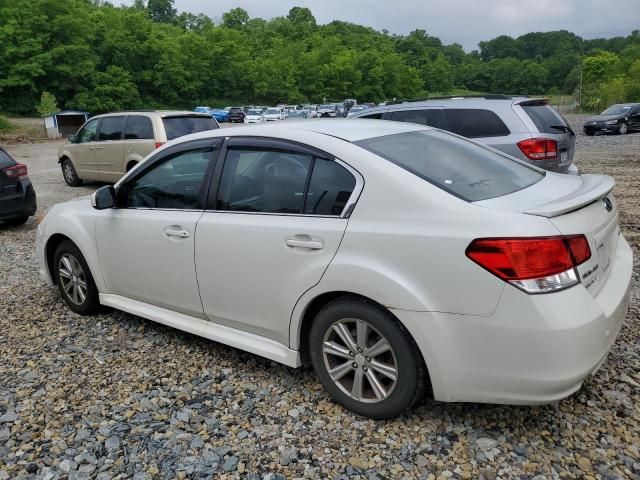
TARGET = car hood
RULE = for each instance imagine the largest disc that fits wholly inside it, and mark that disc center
(603, 118)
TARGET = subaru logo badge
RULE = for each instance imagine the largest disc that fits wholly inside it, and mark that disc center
(608, 205)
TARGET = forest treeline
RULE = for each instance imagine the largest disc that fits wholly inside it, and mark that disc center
(98, 57)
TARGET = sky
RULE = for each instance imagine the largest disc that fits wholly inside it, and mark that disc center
(454, 21)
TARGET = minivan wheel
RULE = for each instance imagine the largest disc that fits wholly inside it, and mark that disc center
(69, 173)
(366, 359)
(74, 279)
(623, 128)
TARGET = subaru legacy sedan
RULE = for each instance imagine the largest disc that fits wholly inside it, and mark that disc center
(396, 259)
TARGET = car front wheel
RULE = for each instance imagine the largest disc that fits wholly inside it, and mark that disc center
(623, 128)
(74, 279)
(366, 359)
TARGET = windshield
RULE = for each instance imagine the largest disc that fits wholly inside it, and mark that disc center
(201, 109)
(332, 107)
(178, 126)
(617, 110)
(255, 112)
(273, 111)
(456, 165)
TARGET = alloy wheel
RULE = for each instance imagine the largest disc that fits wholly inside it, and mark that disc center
(72, 279)
(360, 360)
(68, 173)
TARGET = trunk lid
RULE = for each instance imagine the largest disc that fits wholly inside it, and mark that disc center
(574, 205)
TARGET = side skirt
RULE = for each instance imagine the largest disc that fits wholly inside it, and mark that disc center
(219, 333)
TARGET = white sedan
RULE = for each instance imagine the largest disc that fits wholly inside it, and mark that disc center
(273, 115)
(394, 258)
(254, 115)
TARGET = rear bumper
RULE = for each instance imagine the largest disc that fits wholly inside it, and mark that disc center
(24, 205)
(533, 349)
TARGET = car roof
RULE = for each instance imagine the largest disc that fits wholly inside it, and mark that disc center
(161, 113)
(344, 129)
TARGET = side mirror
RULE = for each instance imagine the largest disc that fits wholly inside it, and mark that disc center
(104, 197)
(72, 138)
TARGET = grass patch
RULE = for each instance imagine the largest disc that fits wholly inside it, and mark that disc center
(5, 125)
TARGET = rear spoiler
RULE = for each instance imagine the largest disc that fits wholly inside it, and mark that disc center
(593, 188)
(531, 102)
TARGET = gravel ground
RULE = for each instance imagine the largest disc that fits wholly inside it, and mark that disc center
(116, 396)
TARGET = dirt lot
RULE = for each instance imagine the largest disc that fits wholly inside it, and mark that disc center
(115, 396)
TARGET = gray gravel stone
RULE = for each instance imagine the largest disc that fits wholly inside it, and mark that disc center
(230, 464)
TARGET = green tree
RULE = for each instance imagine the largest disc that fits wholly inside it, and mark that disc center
(47, 105)
(161, 11)
(235, 18)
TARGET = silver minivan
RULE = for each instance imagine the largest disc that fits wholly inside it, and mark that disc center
(108, 146)
(525, 128)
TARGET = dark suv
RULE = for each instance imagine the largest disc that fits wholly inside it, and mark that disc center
(523, 127)
(17, 196)
(236, 114)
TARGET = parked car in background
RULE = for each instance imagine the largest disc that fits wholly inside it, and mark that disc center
(526, 128)
(254, 116)
(349, 103)
(313, 110)
(298, 114)
(236, 115)
(273, 114)
(220, 115)
(327, 110)
(620, 118)
(203, 110)
(17, 195)
(109, 145)
(396, 259)
(356, 109)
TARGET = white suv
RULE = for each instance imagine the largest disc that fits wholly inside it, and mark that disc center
(109, 145)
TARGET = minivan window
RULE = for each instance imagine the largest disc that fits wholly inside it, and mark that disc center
(111, 128)
(460, 167)
(475, 123)
(257, 180)
(433, 117)
(330, 188)
(138, 128)
(546, 119)
(184, 125)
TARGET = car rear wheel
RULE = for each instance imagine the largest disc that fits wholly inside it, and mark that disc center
(366, 359)
(74, 279)
(623, 128)
(69, 173)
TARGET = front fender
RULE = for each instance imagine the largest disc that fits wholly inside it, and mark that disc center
(78, 225)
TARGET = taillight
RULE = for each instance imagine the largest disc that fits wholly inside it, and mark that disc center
(534, 264)
(539, 148)
(159, 144)
(17, 171)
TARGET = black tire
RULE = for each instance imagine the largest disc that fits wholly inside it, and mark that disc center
(623, 128)
(90, 303)
(69, 173)
(14, 222)
(130, 165)
(411, 373)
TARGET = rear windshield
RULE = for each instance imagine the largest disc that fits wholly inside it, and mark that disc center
(466, 170)
(5, 160)
(179, 126)
(546, 119)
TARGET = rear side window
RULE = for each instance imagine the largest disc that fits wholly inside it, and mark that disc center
(178, 126)
(111, 128)
(475, 123)
(466, 170)
(433, 117)
(5, 160)
(546, 119)
(138, 128)
(330, 188)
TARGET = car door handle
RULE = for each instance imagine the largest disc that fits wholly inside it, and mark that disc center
(304, 241)
(176, 232)
(99, 148)
(92, 148)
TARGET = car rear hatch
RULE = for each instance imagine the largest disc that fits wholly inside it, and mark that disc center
(10, 186)
(548, 123)
(574, 205)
